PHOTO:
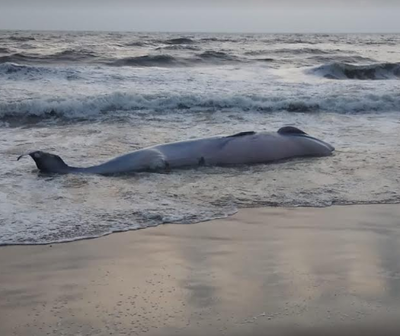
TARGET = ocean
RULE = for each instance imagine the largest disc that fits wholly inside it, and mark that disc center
(90, 96)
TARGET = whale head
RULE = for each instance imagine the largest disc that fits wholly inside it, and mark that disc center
(315, 146)
(48, 163)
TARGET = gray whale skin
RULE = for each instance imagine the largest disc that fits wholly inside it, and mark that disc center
(242, 148)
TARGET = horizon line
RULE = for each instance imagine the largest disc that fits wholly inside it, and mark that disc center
(194, 32)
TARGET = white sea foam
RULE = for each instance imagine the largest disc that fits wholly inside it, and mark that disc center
(130, 104)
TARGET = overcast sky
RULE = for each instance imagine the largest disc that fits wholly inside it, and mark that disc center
(204, 16)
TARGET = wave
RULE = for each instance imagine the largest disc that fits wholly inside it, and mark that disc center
(222, 39)
(73, 55)
(328, 59)
(308, 39)
(149, 61)
(211, 39)
(5, 50)
(165, 60)
(378, 71)
(301, 51)
(264, 59)
(21, 38)
(217, 55)
(134, 44)
(100, 106)
(17, 58)
(180, 40)
(12, 68)
(68, 55)
(14, 71)
(179, 47)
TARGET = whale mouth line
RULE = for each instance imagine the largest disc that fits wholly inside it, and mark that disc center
(306, 135)
(317, 140)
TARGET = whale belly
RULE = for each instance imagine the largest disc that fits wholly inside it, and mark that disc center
(141, 160)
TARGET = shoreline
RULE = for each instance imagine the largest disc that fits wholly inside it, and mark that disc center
(280, 271)
(194, 223)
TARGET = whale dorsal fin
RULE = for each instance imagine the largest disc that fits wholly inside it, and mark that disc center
(241, 134)
(287, 130)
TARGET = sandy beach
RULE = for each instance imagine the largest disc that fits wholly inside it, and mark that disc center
(270, 271)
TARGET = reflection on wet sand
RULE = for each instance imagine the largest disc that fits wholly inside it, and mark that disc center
(264, 271)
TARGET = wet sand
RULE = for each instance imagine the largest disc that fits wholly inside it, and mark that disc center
(264, 271)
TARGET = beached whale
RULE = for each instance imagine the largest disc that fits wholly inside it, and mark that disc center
(241, 148)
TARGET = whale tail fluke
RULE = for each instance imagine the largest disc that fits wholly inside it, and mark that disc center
(48, 163)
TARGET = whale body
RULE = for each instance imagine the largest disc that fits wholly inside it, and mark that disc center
(242, 148)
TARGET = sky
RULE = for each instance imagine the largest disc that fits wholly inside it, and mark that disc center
(269, 16)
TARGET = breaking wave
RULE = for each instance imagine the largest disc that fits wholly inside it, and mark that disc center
(165, 60)
(338, 70)
(92, 107)
(13, 71)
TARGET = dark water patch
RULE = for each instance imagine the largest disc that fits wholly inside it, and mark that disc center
(257, 52)
(295, 51)
(340, 59)
(134, 44)
(149, 61)
(165, 60)
(179, 47)
(302, 51)
(19, 57)
(210, 39)
(21, 38)
(266, 59)
(220, 39)
(180, 40)
(73, 55)
(290, 40)
(217, 55)
(5, 50)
